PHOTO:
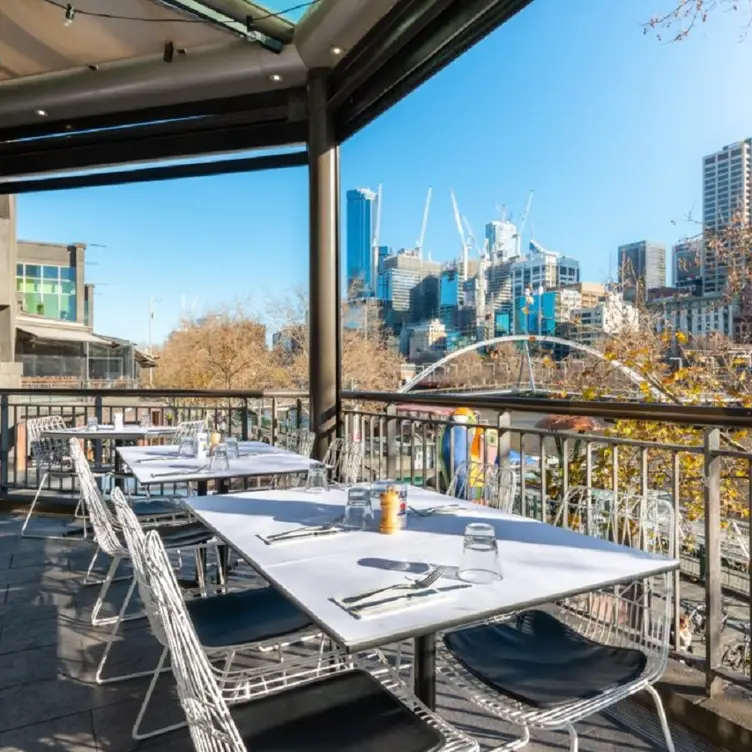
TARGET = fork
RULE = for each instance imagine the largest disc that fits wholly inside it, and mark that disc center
(424, 582)
(434, 510)
(170, 473)
(307, 528)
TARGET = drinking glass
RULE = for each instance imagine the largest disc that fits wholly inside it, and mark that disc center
(317, 480)
(92, 424)
(219, 459)
(358, 511)
(480, 555)
(187, 447)
(233, 448)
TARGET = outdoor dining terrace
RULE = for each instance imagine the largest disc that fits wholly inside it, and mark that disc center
(47, 611)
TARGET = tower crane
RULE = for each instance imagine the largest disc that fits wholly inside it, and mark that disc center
(375, 244)
(461, 231)
(523, 222)
(421, 239)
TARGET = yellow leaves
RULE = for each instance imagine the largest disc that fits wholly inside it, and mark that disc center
(681, 338)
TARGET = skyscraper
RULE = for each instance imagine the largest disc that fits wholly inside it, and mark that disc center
(642, 266)
(726, 189)
(502, 240)
(687, 264)
(361, 206)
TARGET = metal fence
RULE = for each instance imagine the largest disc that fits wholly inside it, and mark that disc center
(697, 473)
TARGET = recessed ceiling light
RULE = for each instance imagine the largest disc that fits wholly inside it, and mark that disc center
(337, 50)
(42, 113)
(275, 77)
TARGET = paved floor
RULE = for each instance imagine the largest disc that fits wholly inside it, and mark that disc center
(49, 653)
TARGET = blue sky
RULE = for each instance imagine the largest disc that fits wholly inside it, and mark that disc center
(608, 125)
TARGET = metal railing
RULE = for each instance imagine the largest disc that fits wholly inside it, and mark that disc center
(696, 471)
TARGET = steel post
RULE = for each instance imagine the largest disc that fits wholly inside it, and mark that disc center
(324, 285)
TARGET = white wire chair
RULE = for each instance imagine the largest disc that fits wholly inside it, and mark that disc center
(226, 625)
(106, 529)
(187, 429)
(51, 458)
(550, 668)
(344, 458)
(482, 483)
(308, 704)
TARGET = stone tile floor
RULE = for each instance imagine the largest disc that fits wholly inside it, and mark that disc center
(49, 652)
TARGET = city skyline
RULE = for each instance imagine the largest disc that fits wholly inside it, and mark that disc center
(565, 116)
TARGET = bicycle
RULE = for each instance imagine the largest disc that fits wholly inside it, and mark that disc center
(738, 655)
(697, 618)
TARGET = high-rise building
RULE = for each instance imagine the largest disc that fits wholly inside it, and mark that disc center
(726, 190)
(361, 209)
(501, 237)
(686, 260)
(409, 288)
(642, 267)
(542, 268)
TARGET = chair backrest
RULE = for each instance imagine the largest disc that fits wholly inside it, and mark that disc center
(481, 483)
(209, 720)
(345, 456)
(135, 540)
(306, 441)
(188, 429)
(637, 614)
(101, 518)
(47, 451)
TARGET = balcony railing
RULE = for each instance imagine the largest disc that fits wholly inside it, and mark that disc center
(404, 438)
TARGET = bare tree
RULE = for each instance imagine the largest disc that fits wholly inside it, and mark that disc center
(680, 17)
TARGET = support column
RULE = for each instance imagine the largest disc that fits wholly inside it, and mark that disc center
(324, 350)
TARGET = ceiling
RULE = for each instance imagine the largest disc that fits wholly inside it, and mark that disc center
(102, 82)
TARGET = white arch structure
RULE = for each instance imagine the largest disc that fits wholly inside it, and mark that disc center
(630, 373)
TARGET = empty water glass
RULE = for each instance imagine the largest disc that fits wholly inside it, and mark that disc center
(219, 459)
(358, 511)
(92, 423)
(187, 447)
(480, 555)
(317, 480)
(233, 448)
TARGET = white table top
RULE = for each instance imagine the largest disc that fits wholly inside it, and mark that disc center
(126, 433)
(540, 563)
(266, 460)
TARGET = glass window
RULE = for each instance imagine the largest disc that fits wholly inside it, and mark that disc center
(19, 284)
(68, 304)
(51, 305)
(32, 285)
(19, 269)
(33, 271)
(68, 272)
(51, 272)
(50, 287)
(68, 288)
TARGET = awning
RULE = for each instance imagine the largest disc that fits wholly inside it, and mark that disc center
(60, 334)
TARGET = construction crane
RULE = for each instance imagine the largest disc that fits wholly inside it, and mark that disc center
(523, 222)
(375, 244)
(424, 225)
(461, 231)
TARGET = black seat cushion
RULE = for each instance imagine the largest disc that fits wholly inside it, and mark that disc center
(248, 616)
(188, 534)
(345, 712)
(541, 662)
(156, 507)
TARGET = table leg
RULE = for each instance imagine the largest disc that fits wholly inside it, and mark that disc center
(425, 670)
(117, 465)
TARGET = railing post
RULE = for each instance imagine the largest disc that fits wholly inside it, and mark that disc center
(244, 420)
(391, 441)
(4, 443)
(99, 413)
(713, 606)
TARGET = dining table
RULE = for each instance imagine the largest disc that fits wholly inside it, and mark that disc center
(323, 572)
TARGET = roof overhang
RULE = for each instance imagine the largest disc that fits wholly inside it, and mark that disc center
(56, 333)
(109, 96)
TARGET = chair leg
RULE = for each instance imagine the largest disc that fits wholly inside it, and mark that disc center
(87, 577)
(662, 717)
(108, 580)
(149, 692)
(513, 746)
(574, 742)
(31, 510)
